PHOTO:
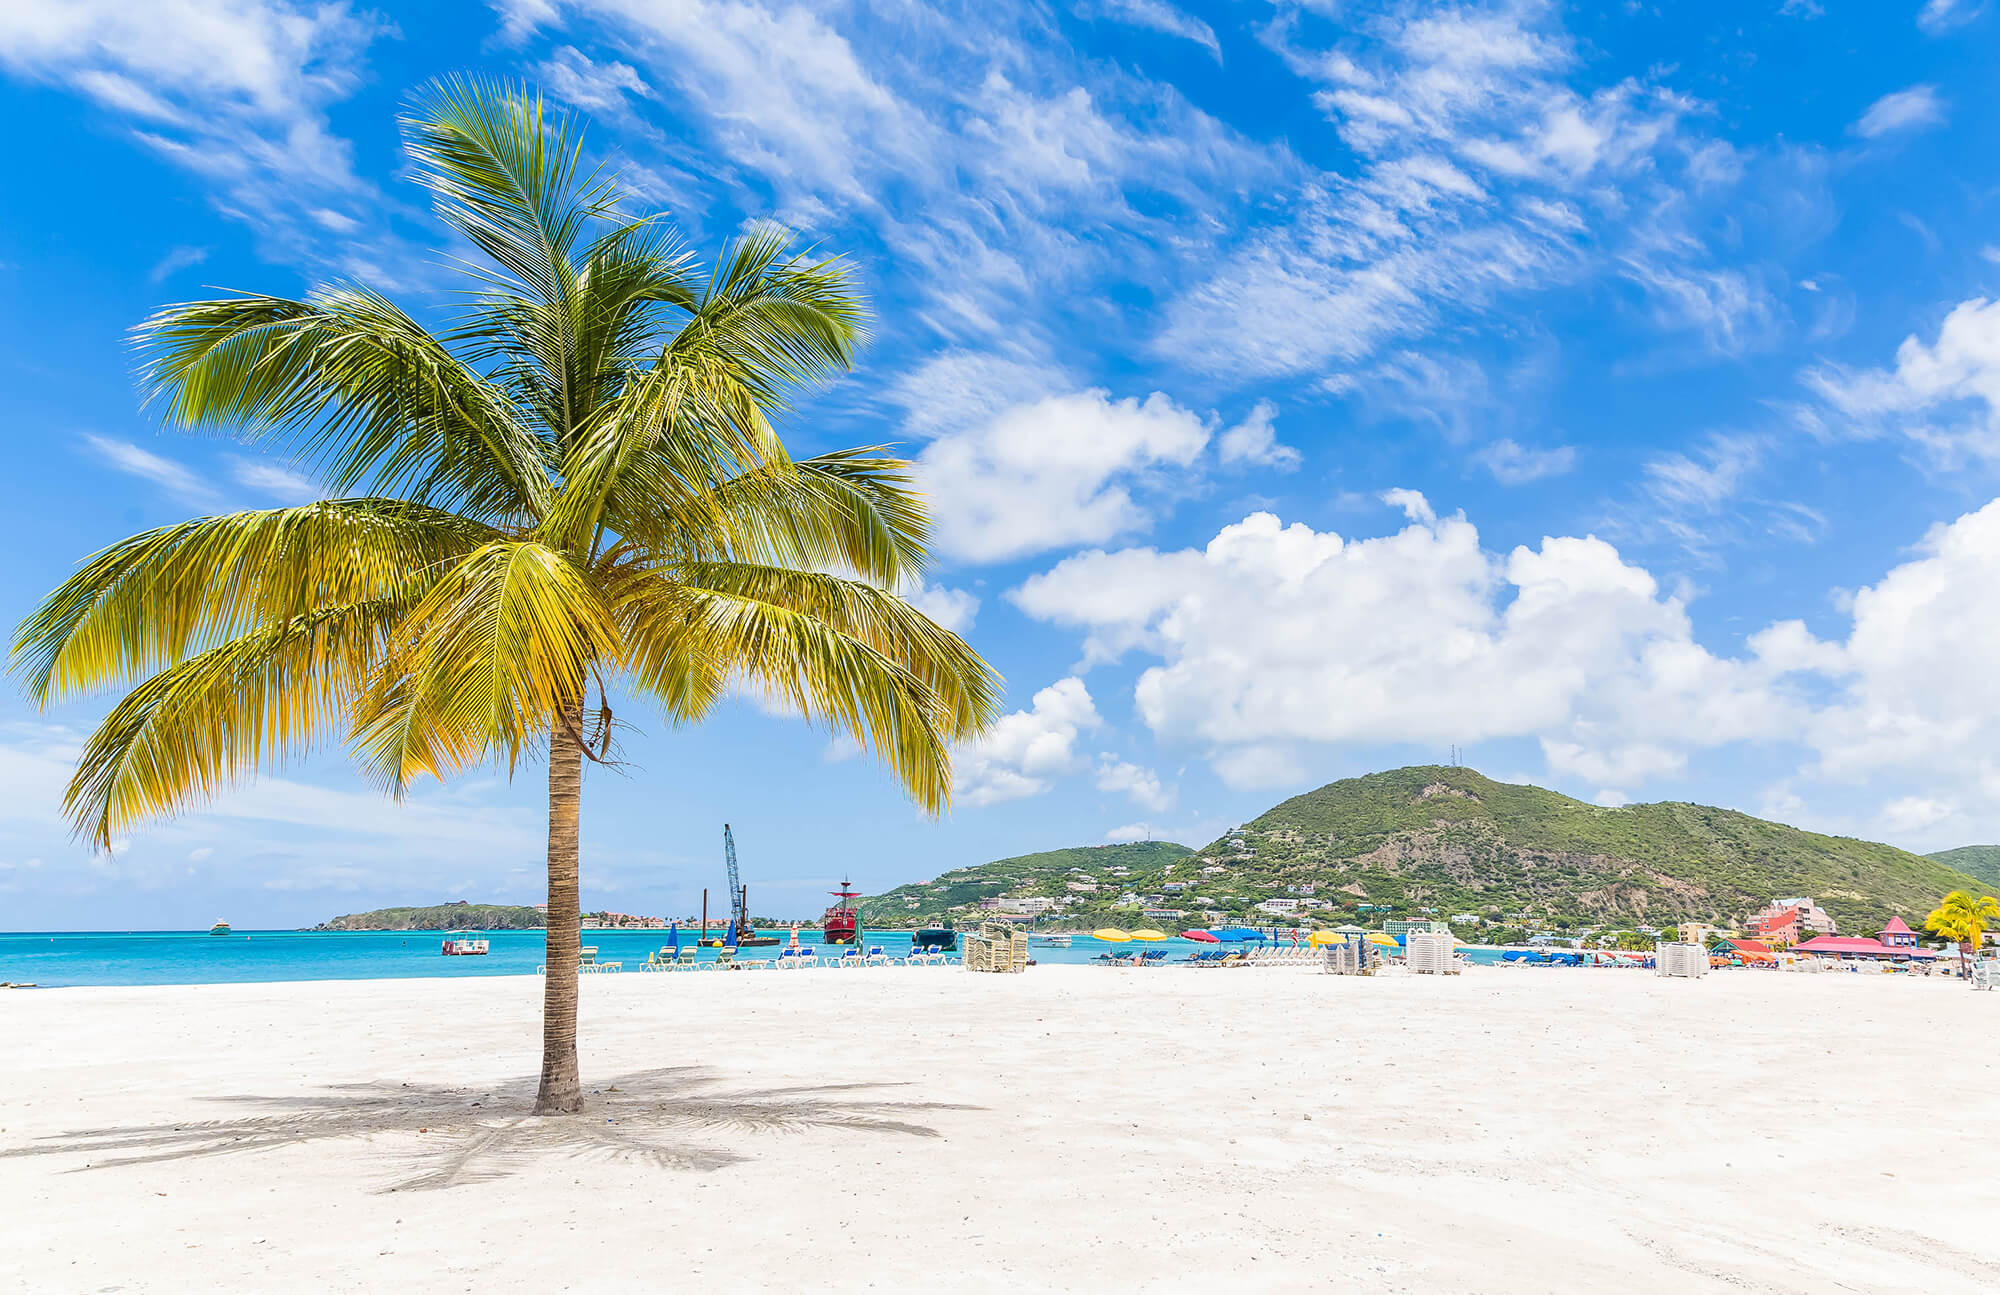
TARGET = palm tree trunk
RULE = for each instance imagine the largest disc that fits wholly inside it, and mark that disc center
(562, 1091)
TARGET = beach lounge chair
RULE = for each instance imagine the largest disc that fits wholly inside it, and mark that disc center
(877, 957)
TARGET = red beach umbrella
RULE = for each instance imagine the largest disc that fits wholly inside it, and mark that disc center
(1202, 937)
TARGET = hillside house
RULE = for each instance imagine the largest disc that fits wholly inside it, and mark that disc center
(1083, 887)
(1279, 906)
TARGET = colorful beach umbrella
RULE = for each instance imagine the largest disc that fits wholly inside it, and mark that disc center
(1326, 937)
(1200, 937)
(1386, 941)
(1111, 935)
(1148, 933)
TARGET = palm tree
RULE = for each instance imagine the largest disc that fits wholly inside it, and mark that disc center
(1965, 920)
(575, 489)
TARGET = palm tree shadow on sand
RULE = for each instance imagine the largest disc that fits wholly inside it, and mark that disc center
(650, 1116)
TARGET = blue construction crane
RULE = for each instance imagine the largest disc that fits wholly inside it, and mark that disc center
(739, 903)
(738, 900)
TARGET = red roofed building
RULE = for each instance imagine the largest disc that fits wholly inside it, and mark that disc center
(1787, 921)
(1898, 935)
(1779, 926)
(1854, 946)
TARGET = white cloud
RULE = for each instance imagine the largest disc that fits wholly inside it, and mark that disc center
(1259, 766)
(600, 88)
(233, 90)
(179, 258)
(1136, 781)
(177, 481)
(1130, 832)
(1940, 16)
(1612, 798)
(1026, 751)
(1480, 172)
(1421, 636)
(1159, 16)
(952, 608)
(270, 479)
(1702, 480)
(1514, 464)
(1061, 471)
(1899, 113)
(978, 152)
(1255, 440)
(1944, 395)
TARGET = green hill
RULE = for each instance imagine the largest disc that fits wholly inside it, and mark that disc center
(1045, 875)
(1452, 841)
(1438, 841)
(1980, 862)
(441, 917)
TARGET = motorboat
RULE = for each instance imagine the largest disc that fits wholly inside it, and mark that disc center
(464, 944)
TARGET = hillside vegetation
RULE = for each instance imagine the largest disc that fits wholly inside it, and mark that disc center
(441, 917)
(1980, 862)
(1443, 841)
(958, 892)
(1455, 841)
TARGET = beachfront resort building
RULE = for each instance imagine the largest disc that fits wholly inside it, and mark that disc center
(1278, 907)
(1788, 921)
(1896, 941)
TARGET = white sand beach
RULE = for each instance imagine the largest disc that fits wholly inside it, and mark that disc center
(1073, 1128)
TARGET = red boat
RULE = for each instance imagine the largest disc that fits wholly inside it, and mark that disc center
(838, 925)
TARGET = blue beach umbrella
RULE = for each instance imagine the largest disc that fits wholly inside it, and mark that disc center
(674, 937)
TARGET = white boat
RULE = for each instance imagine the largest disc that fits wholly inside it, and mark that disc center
(1052, 941)
(463, 944)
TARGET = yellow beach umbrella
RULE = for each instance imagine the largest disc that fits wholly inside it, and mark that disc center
(1386, 941)
(1111, 935)
(1326, 937)
(1147, 933)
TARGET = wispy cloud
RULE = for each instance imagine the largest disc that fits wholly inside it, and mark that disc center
(1940, 16)
(1480, 172)
(235, 91)
(1514, 464)
(1159, 16)
(177, 481)
(179, 258)
(1916, 108)
(278, 482)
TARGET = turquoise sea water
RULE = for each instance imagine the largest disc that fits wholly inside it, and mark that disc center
(55, 958)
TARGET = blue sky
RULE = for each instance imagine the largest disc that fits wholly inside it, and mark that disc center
(1304, 388)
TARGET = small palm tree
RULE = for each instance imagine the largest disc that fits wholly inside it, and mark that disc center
(1964, 919)
(572, 495)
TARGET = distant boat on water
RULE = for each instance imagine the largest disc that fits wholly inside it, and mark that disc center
(220, 928)
(941, 936)
(461, 944)
(838, 926)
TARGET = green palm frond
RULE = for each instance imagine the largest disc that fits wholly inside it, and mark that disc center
(360, 390)
(210, 719)
(500, 649)
(151, 601)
